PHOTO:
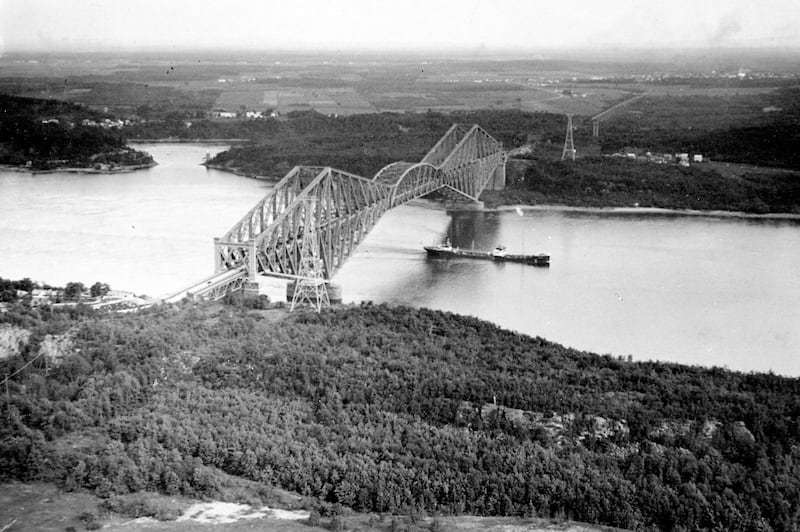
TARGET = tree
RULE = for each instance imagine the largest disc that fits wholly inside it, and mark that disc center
(26, 285)
(73, 291)
(99, 289)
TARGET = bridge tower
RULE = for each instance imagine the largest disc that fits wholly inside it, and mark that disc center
(310, 288)
(569, 145)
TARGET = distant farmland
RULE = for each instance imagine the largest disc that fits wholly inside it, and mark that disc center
(370, 97)
(343, 101)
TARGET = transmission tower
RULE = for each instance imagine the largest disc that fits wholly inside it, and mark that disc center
(569, 145)
(310, 288)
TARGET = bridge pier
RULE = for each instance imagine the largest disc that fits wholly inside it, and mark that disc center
(498, 179)
(250, 289)
(460, 205)
(217, 255)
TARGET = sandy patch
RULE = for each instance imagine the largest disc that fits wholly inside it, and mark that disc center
(228, 512)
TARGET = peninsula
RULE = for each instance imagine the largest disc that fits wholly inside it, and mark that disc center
(49, 135)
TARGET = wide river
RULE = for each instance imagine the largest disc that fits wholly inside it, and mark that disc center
(694, 290)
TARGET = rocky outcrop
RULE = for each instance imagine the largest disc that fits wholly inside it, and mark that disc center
(55, 347)
(12, 340)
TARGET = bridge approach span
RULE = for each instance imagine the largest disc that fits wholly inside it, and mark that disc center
(212, 287)
(340, 208)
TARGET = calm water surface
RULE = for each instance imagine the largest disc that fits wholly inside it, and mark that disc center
(692, 290)
(149, 231)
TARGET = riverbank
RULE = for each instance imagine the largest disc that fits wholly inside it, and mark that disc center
(495, 207)
(121, 169)
(237, 171)
(643, 211)
(176, 140)
(619, 211)
(424, 383)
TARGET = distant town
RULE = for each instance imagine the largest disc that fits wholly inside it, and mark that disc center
(98, 296)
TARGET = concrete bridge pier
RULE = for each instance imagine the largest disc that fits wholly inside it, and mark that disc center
(498, 178)
(250, 289)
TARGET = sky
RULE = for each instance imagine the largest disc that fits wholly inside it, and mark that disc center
(374, 25)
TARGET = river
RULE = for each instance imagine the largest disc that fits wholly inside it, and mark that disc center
(694, 290)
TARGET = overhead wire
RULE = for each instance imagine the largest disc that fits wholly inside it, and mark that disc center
(74, 326)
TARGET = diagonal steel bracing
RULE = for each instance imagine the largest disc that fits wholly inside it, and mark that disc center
(344, 207)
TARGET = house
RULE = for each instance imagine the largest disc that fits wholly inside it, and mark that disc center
(43, 296)
(221, 113)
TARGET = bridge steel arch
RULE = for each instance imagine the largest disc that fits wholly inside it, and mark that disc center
(344, 207)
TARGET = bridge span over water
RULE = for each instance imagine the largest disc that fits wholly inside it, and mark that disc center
(339, 208)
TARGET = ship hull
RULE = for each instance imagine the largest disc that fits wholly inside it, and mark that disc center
(539, 259)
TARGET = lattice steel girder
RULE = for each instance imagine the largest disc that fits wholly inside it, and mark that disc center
(416, 181)
(334, 201)
(219, 290)
(344, 207)
(446, 144)
(273, 204)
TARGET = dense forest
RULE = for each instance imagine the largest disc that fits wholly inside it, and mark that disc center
(48, 134)
(758, 129)
(392, 409)
(363, 144)
(612, 182)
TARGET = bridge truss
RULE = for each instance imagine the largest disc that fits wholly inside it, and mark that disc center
(341, 208)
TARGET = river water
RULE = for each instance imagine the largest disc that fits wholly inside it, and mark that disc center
(694, 290)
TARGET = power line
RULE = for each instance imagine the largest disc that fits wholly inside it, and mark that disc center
(31, 361)
(569, 144)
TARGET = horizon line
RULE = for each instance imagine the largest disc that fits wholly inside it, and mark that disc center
(589, 50)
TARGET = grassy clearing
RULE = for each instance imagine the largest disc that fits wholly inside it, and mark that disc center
(43, 507)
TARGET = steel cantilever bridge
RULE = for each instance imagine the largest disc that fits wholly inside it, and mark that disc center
(340, 208)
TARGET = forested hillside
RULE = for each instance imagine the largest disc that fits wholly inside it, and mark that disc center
(49, 134)
(363, 144)
(757, 129)
(613, 182)
(391, 409)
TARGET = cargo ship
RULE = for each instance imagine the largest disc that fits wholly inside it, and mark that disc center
(498, 254)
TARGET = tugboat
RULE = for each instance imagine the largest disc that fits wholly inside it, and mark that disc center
(498, 254)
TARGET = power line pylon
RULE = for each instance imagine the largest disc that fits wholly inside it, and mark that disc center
(311, 287)
(569, 145)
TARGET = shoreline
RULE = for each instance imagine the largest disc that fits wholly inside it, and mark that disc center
(644, 210)
(656, 211)
(169, 140)
(122, 169)
(241, 173)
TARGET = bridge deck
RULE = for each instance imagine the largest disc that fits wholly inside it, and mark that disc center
(208, 285)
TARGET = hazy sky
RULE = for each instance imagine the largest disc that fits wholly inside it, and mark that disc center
(490, 25)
